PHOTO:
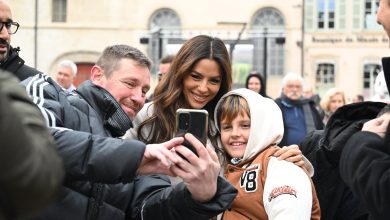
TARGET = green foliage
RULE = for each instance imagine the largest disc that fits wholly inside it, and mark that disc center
(240, 72)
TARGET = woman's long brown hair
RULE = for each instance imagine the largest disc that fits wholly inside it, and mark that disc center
(168, 95)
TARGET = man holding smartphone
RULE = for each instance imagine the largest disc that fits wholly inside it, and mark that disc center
(109, 178)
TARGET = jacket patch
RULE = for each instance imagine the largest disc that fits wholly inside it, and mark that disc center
(248, 180)
(281, 190)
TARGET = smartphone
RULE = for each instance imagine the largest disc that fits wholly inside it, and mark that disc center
(194, 121)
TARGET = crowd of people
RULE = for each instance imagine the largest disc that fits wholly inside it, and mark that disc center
(104, 150)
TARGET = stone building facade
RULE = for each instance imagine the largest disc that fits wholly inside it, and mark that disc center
(332, 43)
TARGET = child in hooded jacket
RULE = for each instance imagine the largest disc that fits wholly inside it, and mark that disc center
(250, 127)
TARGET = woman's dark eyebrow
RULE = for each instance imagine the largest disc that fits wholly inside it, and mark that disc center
(198, 73)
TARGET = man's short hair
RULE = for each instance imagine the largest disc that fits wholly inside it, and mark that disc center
(69, 64)
(290, 77)
(112, 55)
(169, 58)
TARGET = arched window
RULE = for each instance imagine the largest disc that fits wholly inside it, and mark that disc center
(167, 20)
(163, 25)
(267, 28)
(268, 17)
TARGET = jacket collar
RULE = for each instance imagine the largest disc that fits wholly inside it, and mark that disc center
(114, 118)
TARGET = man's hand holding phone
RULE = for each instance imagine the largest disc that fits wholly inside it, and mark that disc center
(199, 173)
(194, 121)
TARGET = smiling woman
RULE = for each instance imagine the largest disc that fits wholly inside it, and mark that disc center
(200, 74)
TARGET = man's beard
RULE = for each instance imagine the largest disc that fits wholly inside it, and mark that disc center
(4, 55)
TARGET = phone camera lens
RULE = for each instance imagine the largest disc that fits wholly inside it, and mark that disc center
(184, 121)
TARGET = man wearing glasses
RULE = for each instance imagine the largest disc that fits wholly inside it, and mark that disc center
(9, 57)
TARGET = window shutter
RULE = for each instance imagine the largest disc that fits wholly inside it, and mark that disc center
(341, 11)
(309, 15)
(357, 15)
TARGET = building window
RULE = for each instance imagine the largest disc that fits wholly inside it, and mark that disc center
(325, 77)
(364, 15)
(164, 24)
(167, 21)
(59, 11)
(268, 23)
(371, 71)
(326, 14)
(370, 9)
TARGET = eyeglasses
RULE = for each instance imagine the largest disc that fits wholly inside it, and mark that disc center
(11, 26)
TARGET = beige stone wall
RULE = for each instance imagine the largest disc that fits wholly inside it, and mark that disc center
(92, 25)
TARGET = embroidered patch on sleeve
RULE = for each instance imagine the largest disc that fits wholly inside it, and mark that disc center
(281, 190)
(248, 180)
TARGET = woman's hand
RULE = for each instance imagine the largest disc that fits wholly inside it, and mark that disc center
(292, 154)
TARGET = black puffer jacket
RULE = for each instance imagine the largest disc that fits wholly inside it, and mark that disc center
(15, 65)
(101, 180)
(323, 149)
(365, 165)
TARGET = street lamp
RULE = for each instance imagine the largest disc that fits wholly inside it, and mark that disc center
(278, 40)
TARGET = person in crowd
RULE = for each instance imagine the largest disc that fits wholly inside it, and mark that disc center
(66, 72)
(365, 163)
(268, 188)
(31, 170)
(108, 177)
(381, 94)
(324, 147)
(358, 98)
(300, 115)
(200, 74)
(9, 56)
(309, 93)
(163, 68)
(165, 64)
(332, 100)
(254, 81)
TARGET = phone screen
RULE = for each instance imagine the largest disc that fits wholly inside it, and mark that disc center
(192, 121)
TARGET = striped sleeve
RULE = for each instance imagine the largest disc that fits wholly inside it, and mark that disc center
(42, 89)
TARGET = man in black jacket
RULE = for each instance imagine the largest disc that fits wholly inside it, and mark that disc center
(107, 177)
(365, 165)
(9, 57)
(365, 160)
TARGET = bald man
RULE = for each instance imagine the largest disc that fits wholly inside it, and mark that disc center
(9, 56)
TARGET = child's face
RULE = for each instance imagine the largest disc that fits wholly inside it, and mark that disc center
(235, 134)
